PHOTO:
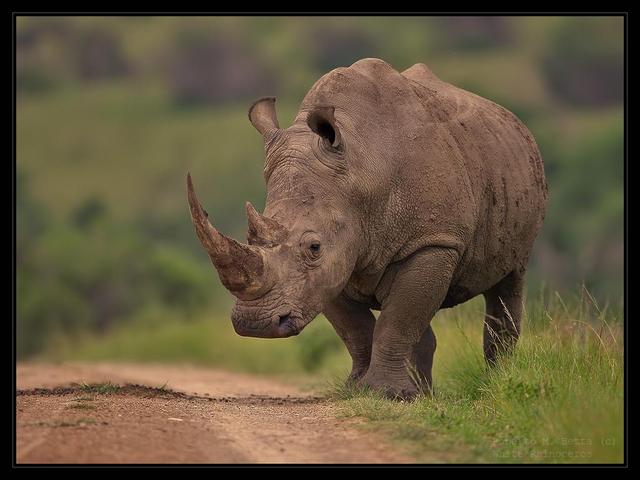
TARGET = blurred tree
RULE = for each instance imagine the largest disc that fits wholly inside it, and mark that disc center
(334, 47)
(97, 55)
(475, 33)
(586, 72)
(51, 51)
(88, 212)
(209, 68)
(39, 67)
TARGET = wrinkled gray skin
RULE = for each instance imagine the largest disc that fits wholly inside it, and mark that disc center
(391, 191)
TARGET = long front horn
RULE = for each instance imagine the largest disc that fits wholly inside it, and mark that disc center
(241, 268)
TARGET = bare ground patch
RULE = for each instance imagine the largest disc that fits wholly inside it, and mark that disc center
(104, 422)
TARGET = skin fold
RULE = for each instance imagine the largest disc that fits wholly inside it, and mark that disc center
(390, 191)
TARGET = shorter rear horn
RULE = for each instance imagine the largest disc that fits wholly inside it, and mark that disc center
(263, 230)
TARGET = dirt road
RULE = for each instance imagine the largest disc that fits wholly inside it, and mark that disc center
(69, 413)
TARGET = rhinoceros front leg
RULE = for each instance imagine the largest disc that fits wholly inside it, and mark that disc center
(403, 342)
(354, 323)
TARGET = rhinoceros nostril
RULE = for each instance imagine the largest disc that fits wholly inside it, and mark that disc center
(282, 319)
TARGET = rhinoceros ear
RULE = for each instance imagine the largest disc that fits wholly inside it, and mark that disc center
(323, 122)
(262, 115)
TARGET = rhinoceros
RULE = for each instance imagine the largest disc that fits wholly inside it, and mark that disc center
(396, 192)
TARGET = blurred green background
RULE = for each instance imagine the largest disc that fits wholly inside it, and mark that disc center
(112, 112)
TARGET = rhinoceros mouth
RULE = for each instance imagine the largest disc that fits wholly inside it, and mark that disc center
(279, 326)
(284, 320)
(289, 326)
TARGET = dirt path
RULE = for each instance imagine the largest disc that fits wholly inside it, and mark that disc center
(200, 416)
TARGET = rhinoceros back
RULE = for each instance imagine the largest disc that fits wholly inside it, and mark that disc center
(504, 169)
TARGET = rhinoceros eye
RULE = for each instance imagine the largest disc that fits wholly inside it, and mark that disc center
(314, 248)
(311, 246)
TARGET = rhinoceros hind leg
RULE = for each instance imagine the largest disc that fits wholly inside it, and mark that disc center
(502, 317)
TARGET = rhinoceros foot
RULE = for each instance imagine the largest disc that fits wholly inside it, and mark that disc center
(391, 388)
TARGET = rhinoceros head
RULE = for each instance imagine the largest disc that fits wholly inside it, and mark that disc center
(301, 251)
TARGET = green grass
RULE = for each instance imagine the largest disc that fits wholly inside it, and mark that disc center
(558, 399)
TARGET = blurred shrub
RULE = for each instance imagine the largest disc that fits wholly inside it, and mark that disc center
(31, 221)
(180, 281)
(103, 265)
(88, 212)
(582, 237)
(45, 308)
(209, 68)
(586, 72)
(92, 272)
(32, 79)
(314, 349)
